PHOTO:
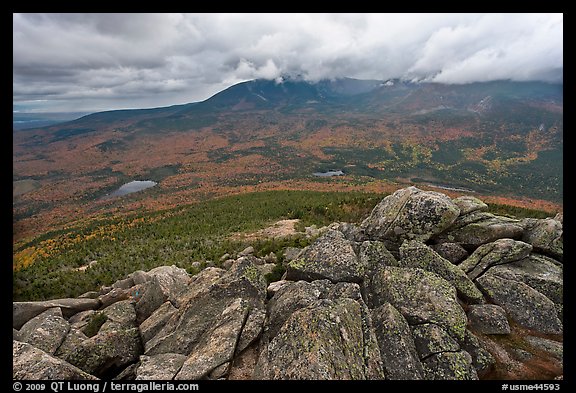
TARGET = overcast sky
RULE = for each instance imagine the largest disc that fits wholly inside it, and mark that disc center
(94, 62)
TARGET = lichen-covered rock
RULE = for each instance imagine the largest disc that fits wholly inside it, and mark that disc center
(421, 297)
(416, 254)
(291, 253)
(375, 256)
(453, 252)
(73, 339)
(410, 213)
(559, 311)
(450, 366)
(251, 330)
(397, 350)
(159, 367)
(128, 374)
(559, 217)
(525, 305)
(221, 371)
(113, 343)
(120, 315)
(288, 299)
(488, 319)
(172, 279)
(139, 277)
(115, 295)
(267, 268)
(217, 345)
(80, 320)
(322, 341)
(477, 228)
(22, 312)
(554, 348)
(149, 297)
(155, 322)
(468, 204)
(545, 235)
(30, 363)
(351, 232)
(482, 359)
(198, 284)
(330, 257)
(275, 286)
(384, 300)
(498, 252)
(344, 289)
(431, 339)
(541, 273)
(46, 331)
(107, 353)
(201, 308)
(126, 283)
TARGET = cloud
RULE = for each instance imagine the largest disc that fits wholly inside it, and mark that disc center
(107, 61)
(520, 47)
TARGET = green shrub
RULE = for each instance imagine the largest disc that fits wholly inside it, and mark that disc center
(276, 273)
(96, 322)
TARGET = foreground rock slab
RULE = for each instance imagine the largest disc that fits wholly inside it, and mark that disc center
(22, 312)
(322, 341)
(421, 297)
(33, 363)
(330, 257)
(397, 348)
(522, 303)
(417, 254)
(46, 331)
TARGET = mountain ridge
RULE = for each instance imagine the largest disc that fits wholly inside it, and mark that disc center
(335, 89)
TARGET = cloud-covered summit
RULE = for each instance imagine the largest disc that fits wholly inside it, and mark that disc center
(74, 62)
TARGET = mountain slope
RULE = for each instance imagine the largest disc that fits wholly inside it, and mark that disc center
(497, 138)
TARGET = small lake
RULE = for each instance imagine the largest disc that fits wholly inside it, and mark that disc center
(133, 186)
(328, 173)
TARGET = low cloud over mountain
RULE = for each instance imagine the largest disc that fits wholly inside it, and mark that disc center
(74, 62)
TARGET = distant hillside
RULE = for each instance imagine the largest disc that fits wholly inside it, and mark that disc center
(502, 139)
(24, 120)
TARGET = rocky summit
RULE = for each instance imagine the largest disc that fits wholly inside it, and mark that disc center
(425, 288)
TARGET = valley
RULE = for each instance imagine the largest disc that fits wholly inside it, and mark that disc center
(500, 140)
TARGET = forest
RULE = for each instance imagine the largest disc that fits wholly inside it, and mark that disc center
(61, 263)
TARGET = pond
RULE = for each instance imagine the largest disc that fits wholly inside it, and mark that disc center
(133, 186)
(329, 173)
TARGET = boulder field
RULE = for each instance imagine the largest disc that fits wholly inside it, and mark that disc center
(425, 288)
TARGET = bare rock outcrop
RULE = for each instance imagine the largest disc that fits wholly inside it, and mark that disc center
(426, 287)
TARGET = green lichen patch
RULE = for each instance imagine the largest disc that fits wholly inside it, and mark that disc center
(417, 254)
(322, 341)
(330, 257)
(421, 297)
